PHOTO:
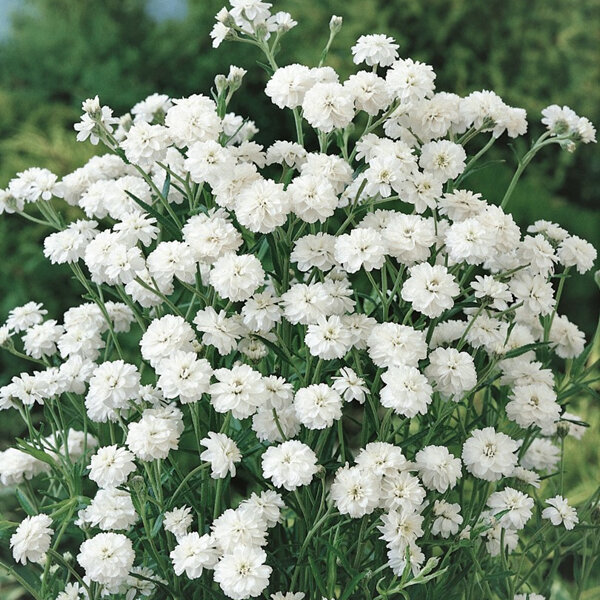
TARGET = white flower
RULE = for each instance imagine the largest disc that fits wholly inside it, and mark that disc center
(461, 204)
(362, 247)
(110, 509)
(218, 330)
(262, 206)
(178, 521)
(575, 252)
(112, 387)
(107, 558)
(312, 198)
(393, 345)
(406, 390)
(559, 512)
(31, 540)
(397, 560)
(452, 372)
(493, 291)
(237, 277)
(401, 528)
(72, 591)
(23, 317)
(240, 390)
(350, 386)
(240, 527)
(448, 519)
(328, 338)
(533, 405)
(430, 289)
(410, 80)
(111, 466)
(193, 119)
(193, 554)
(156, 433)
(381, 458)
(369, 91)
(169, 260)
(242, 573)
(261, 312)
(541, 455)
(289, 465)
(438, 468)
(184, 375)
(355, 492)
(534, 291)
(164, 336)
(211, 236)
(276, 423)
(222, 453)
(568, 340)
(268, 505)
(146, 144)
(401, 490)
(40, 340)
(445, 159)
(17, 466)
(282, 151)
(288, 85)
(375, 49)
(515, 505)
(409, 238)
(328, 106)
(318, 406)
(489, 455)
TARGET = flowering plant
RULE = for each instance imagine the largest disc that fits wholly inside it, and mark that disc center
(323, 370)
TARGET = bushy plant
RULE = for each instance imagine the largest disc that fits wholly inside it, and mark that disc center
(320, 370)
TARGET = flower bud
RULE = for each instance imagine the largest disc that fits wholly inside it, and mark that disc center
(137, 484)
(562, 429)
(221, 83)
(235, 76)
(335, 23)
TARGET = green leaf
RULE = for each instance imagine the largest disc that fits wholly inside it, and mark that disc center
(25, 503)
(157, 526)
(25, 577)
(26, 447)
(166, 186)
(523, 349)
(170, 227)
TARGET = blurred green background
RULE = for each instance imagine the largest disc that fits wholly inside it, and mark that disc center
(55, 53)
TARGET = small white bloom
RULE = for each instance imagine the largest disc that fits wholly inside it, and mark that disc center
(31, 540)
(222, 453)
(290, 465)
(559, 512)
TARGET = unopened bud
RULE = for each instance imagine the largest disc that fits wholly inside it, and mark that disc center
(221, 83)
(137, 484)
(261, 31)
(235, 76)
(335, 23)
(562, 429)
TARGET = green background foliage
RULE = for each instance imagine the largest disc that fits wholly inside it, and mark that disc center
(532, 53)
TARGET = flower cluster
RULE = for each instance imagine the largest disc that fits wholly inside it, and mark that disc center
(325, 368)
